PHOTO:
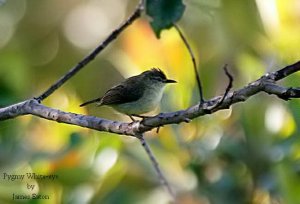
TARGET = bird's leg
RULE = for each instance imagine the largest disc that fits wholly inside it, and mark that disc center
(157, 129)
(143, 117)
(130, 116)
(138, 116)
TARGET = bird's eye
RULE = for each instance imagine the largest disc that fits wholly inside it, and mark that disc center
(157, 78)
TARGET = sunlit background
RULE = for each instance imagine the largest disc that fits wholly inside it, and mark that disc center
(248, 154)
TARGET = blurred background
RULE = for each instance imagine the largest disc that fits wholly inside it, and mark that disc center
(248, 154)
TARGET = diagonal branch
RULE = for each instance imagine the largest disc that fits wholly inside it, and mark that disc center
(266, 83)
(286, 71)
(136, 14)
(33, 107)
(155, 164)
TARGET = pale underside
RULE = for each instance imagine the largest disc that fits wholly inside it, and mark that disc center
(149, 100)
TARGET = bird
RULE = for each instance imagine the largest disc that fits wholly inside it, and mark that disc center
(136, 95)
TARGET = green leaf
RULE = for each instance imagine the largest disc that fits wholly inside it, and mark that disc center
(164, 13)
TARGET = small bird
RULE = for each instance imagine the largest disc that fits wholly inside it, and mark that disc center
(136, 95)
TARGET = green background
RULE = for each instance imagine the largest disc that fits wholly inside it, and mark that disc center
(248, 154)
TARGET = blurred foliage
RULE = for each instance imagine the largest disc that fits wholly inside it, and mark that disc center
(247, 154)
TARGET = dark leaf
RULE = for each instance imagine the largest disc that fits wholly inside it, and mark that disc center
(164, 13)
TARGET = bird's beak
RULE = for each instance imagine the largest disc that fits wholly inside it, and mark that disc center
(170, 81)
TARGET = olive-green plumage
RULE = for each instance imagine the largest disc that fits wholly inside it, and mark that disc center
(136, 95)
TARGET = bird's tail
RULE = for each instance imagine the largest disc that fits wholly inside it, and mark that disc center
(91, 101)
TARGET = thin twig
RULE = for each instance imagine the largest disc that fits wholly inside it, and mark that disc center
(155, 164)
(229, 86)
(136, 14)
(284, 72)
(197, 75)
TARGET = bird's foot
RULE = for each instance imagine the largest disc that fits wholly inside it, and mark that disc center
(132, 118)
(144, 117)
(138, 116)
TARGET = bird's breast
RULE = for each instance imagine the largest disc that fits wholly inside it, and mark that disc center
(148, 102)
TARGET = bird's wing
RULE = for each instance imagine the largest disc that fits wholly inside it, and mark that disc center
(122, 94)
